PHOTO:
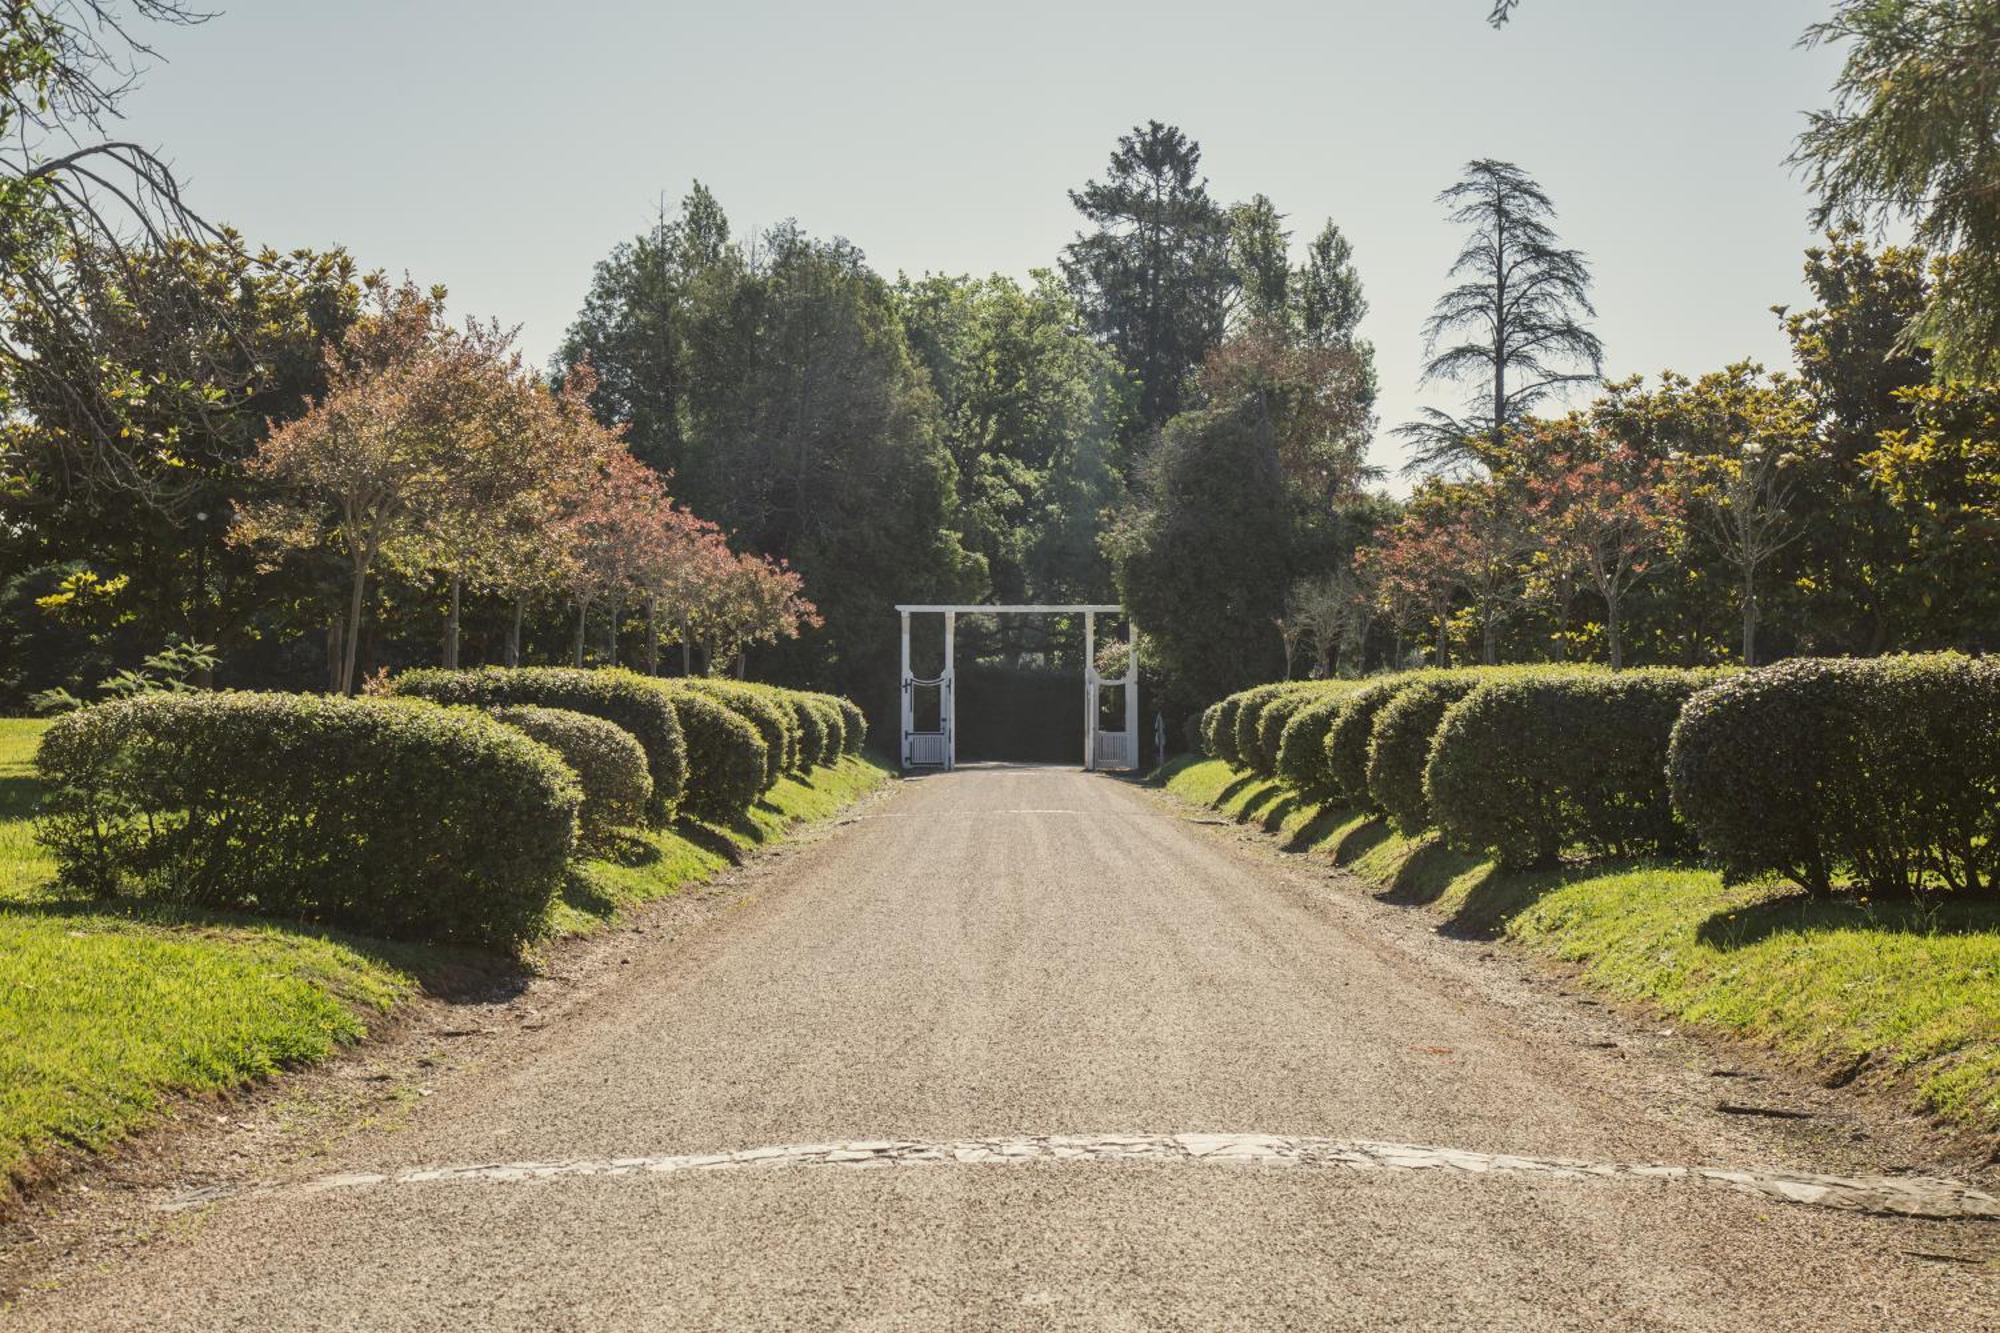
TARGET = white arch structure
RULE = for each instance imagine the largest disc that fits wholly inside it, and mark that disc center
(1101, 749)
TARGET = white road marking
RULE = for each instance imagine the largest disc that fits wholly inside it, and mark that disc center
(1905, 1196)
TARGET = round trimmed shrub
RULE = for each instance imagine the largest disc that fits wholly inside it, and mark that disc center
(1302, 758)
(726, 756)
(1204, 730)
(812, 732)
(1249, 752)
(1347, 738)
(761, 710)
(1529, 766)
(854, 728)
(1222, 736)
(621, 698)
(389, 817)
(1399, 746)
(1399, 742)
(1885, 772)
(606, 759)
(832, 729)
(1271, 723)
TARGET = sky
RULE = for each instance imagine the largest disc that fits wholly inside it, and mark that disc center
(503, 147)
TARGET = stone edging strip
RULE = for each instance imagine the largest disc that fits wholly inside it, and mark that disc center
(1901, 1196)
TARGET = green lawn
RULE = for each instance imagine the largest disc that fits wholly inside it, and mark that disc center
(1906, 991)
(105, 1013)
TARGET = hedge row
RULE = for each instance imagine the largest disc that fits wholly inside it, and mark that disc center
(1528, 767)
(620, 698)
(609, 765)
(712, 746)
(1882, 772)
(379, 815)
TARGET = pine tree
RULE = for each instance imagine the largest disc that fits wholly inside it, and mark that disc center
(1517, 315)
(1154, 279)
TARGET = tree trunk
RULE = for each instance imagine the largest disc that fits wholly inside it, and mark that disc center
(1749, 619)
(611, 631)
(743, 664)
(336, 643)
(1489, 645)
(1611, 633)
(514, 632)
(353, 627)
(582, 620)
(687, 647)
(1444, 642)
(451, 622)
(652, 635)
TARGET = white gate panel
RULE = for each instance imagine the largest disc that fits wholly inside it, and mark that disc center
(927, 749)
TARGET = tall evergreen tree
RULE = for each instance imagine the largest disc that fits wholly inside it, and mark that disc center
(1153, 278)
(1512, 327)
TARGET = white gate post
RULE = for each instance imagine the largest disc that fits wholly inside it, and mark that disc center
(1132, 692)
(948, 702)
(1090, 691)
(907, 690)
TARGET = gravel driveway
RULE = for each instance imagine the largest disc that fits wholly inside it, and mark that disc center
(1025, 1047)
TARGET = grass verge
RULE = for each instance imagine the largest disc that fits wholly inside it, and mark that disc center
(107, 1012)
(1904, 992)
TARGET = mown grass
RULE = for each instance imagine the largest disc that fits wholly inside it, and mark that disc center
(109, 1011)
(1899, 989)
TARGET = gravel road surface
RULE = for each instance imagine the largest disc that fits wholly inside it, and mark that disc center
(1039, 960)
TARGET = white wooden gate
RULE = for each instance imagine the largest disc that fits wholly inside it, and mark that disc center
(1101, 749)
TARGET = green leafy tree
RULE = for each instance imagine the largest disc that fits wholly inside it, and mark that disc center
(1914, 133)
(1513, 326)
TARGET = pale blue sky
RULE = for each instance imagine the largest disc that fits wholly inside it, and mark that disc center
(503, 147)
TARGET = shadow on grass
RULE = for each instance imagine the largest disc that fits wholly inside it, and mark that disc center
(19, 797)
(1309, 835)
(1234, 789)
(1250, 812)
(1425, 874)
(1362, 839)
(1799, 913)
(1273, 819)
(452, 973)
(712, 839)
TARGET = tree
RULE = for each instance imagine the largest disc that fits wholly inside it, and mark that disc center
(1416, 570)
(1327, 292)
(1032, 413)
(211, 345)
(1737, 484)
(1517, 317)
(1154, 279)
(1602, 502)
(1205, 552)
(1260, 262)
(1942, 473)
(1334, 609)
(1914, 133)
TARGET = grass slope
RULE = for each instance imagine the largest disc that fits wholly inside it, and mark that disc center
(1900, 990)
(107, 1011)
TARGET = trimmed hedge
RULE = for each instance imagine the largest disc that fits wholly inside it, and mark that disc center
(1222, 732)
(762, 710)
(833, 729)
(1527, 767)
(1302, 758)
(726, 756)
(1399, 745)
(1249, 750)
(1883, 772)
(390, 817)
(813, 737)
(854, 723)
(1205, 729)
(608, 762)
(1347, 738)
(1400, 740)
(1276, 715)
(619, 697)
